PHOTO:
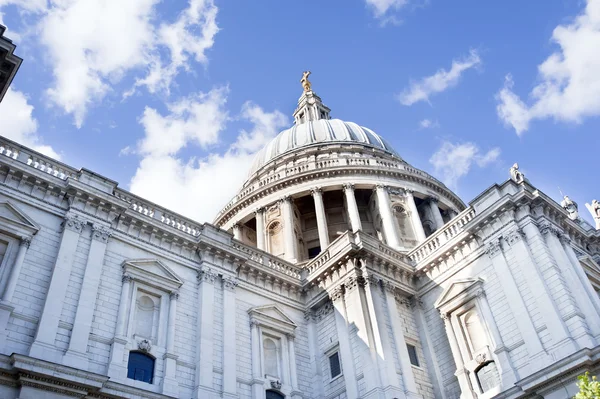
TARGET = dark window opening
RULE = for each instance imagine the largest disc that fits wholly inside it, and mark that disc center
(334, 365)
(412, 354)
(487, 376)
(313, 252)
(140, 367)
(274, 395)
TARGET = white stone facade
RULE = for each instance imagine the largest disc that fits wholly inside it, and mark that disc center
(338, 271)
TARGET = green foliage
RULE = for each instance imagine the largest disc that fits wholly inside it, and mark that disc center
(589, 388)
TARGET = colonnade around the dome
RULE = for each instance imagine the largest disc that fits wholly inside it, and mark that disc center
(299, 226)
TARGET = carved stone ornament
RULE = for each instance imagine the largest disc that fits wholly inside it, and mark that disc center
(493, 248)
(316, 190)
(145, 346)
(571, 207)
(174, 295)
(126, 278)
(337, 293)
(549, 228)
(481, 358)
(397, 191)
(594, 209)
(73, 223)
(348, 186)
(207, 275)
(513, 236)
(259, 211)
(230, 283)
(100, 233)
(25, 241)
(275, 384)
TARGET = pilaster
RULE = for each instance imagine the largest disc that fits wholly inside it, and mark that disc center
(76, 355)
(204, 335)
(229, 338)
(117, 367)
(43, 345)
(170, 385)
(15, 271)
(347, 358)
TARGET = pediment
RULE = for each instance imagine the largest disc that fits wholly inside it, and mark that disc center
(272, 316)
(458, 292)
(152, 272)
(15, 221)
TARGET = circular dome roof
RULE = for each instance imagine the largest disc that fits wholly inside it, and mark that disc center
(321, 131)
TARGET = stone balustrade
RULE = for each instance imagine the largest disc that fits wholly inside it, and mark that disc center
(269, 176)
(270, 261)
(36, 160)
(442, 236)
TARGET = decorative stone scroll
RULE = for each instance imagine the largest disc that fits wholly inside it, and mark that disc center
(513, 236)
(145, 346)
(493, 248)
(230, 283)
(207, 275)
(73, 223)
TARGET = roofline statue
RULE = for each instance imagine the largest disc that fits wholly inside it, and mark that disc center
(594, 209)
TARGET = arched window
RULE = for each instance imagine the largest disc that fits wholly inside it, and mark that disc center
(487, 376)
(271, 357)
(274, 395)
(477, 337)
(140, 367)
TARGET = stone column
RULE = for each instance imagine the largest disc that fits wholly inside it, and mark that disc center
(346, 354)
(410, 386)
(116, 366)
(414, 216)
(43, 345)
(229, 338)
(170, 386)
(289, 238)
(580, 272)
(435, 212)
(204, 335)
(258, 390)
(353, 214)
(237, 231)
(15, 272)
(387, 218)
(517, 306)
(321, 218)
(76, 355)
(461, 374)
(260, 229)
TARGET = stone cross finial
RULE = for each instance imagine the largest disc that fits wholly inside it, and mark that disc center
(305, 82)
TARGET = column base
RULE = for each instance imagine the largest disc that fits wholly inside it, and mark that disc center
(45, 351)
(202, 392)
(117, 368)
(76, 360)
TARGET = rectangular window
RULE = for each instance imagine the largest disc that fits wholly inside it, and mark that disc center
(412, 354)
(334, 365)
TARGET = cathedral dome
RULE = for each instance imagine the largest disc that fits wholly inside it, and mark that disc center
(317, 132)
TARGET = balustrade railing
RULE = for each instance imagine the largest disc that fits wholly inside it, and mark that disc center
(268, 260)
(442, 236)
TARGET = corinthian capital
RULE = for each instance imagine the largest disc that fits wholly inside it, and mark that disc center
(493, 248)
(316, 190)
(73, 223)
(348, 186)
(100, 233)
(207, 275)
(230, 283)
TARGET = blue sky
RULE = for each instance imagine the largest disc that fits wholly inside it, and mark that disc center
(171, 99)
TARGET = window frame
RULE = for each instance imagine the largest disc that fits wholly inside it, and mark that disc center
(416, 353)
(146, 355)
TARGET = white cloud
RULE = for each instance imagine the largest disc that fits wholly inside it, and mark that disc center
(18, 123)
(569, 83)
(428, 124)
(199, 188)
(382, 9)
(422, 89)
(453, 161)
(196, 119)
(93, 45)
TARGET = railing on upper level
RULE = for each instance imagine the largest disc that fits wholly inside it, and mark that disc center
(268, 260)
(442, 236)
(36, 160)
(269, 177)
(62, 171)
